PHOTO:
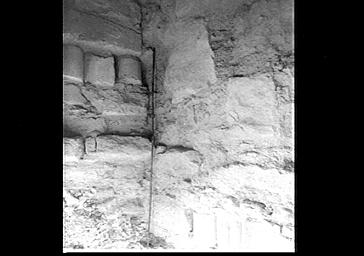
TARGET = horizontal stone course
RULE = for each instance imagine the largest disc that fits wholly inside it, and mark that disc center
(89, 108)
(101, 70)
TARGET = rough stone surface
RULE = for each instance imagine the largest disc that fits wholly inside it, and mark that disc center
(89, 109)
(105, 192)
(73, 63)
(129, 70)
(99, 70)
(225, 91)
(224, 166)
(103, 27)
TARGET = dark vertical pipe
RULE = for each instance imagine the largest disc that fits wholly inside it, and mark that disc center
(152, 106)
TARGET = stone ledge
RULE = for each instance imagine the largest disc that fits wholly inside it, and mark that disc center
(112, 147)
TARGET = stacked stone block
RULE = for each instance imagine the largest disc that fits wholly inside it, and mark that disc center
(100, 70)
(72, 63)
(129, 70)
(105, 89)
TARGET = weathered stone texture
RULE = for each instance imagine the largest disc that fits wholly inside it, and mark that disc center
(99, 70)
(231, 199)
(256, 37)
(121, 110)
(226, 93)
(176, 166)
(105, 192)
(190, 67)
(72, 95)
(126, 12)
(111, 29)
(73, 63)
(224, 165)
(129, 70)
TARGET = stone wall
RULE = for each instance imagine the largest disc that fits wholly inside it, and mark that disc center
(103, 27)
(224, 164)
(105, 192)
(106, 127)
(225, 115)
(103, 94)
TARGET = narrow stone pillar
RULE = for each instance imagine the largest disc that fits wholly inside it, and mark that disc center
(99, 70)
(72, 63)
(129, 70)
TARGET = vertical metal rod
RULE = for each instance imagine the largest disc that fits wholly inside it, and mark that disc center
(152, 106)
